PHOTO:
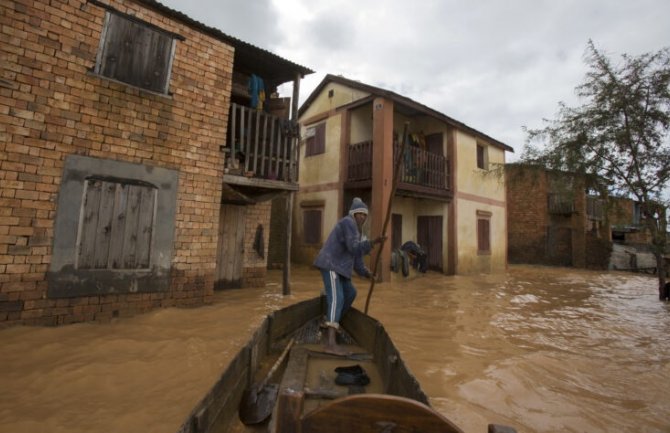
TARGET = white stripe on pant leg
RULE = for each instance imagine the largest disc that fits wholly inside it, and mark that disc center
(333, 295)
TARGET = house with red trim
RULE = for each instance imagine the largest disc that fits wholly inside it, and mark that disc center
(450, 197)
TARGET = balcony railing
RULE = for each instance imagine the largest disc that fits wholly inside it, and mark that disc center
(419, 167)
(560, 204)
(594, 208)
(260, 145)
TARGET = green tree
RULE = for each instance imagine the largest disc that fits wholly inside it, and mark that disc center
(619, 133)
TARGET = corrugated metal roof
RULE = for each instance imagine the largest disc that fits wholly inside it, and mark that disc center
(248, 58)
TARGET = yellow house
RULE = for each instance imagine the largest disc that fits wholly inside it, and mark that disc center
(450, 197)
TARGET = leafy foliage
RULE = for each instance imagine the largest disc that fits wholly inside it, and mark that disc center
(619, 133)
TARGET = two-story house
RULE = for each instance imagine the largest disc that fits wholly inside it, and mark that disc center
(449, 199)
(140, 151)
(555, 218)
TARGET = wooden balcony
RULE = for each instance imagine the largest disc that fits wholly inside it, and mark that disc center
(421, 172)
(595, 208)
(260, 150)
(560, 204)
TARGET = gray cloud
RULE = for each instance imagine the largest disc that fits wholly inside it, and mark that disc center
(254, 21)
(493, 65)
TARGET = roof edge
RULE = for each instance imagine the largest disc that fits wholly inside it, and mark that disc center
(218, 34)
(400, 99)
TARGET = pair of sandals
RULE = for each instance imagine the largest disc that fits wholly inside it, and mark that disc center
(351, 375)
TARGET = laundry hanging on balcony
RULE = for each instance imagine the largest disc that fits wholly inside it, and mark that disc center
(257, 92)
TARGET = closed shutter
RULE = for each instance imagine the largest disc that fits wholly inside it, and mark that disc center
(316, 140)
(117, 225)
(484, 235)
(135, 54)
(312, 226)
(429, 237)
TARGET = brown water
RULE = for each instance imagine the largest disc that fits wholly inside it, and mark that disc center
(541, 349)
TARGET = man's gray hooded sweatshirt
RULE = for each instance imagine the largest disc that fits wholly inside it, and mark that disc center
(344, 249)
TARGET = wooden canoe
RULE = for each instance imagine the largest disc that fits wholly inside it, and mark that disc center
(306, 397)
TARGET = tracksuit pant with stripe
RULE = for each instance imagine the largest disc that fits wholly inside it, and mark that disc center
(340, 295)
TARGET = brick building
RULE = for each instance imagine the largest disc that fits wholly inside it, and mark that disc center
(131, 178)
(553, 220)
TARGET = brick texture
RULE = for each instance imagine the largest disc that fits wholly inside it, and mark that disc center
(254, 267)
(527, 215)
(52, 105)
(537, 237)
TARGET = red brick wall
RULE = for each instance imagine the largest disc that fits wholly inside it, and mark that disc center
(620, 211)
(526, 214)
(536, 237)
(52, 106)
(254, 267)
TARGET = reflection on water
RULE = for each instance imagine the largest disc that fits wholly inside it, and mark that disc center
(541, 349)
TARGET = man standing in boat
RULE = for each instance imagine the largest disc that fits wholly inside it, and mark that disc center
(341, 254)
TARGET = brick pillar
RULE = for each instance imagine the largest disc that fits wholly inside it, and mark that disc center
(579, 220)
(382, 178)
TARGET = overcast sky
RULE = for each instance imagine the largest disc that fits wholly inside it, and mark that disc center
(494, 65)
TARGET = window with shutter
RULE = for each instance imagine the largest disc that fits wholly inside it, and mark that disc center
(312, 222)
(482, 157)
(117, 225)
(113, 234)
(315, 143)
(483, 232)
(135, 53)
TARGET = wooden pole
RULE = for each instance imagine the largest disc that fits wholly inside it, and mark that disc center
(396, 176)
(293, 177)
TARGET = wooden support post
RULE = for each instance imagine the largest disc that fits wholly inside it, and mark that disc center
(292, 177)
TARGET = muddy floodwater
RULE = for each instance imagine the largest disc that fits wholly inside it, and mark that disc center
(541, 349)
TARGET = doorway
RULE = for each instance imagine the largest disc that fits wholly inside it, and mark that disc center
(429, 236)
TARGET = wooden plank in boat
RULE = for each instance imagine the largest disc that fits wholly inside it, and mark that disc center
(370, 334)
(291, 395)
(287, 320)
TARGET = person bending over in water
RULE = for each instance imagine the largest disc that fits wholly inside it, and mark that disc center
(343, 252)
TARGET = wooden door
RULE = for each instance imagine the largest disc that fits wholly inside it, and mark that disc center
(231, 246)
(396, 231)
(429, 236)
(434, 144)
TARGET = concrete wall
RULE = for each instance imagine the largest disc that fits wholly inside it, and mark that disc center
(51, 106)
(341, 95)
(479, 190)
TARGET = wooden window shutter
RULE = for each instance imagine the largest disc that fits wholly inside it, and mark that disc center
(320, 139)
(483, 235)
(309, 146)
(312, 226)
(135, 53)
(435, 143)
(117, 225)
(480, 157)
(316, 140)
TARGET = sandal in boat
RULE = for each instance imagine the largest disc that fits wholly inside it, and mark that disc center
(352, 375)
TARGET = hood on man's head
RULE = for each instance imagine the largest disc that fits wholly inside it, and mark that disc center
(357, 206)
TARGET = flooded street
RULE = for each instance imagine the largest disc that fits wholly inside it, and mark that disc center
(540, 349)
